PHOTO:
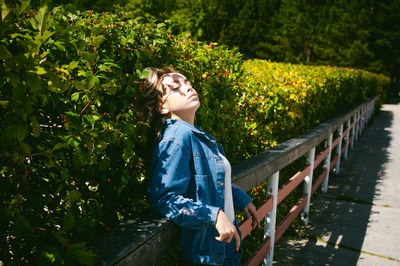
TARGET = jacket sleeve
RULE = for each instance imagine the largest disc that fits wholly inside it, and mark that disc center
(240, 198)
(170, 177)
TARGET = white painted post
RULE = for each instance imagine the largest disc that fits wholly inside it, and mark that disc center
(339, 149)
(365, 115)
(270, 219)
(308, 185)
(353, 130)
(358, 125)
(347, 140)
(362, 120)
(372, 109)
(327, 164)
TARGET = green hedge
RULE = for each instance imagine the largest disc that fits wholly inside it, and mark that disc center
(280, 101)
(71, 138)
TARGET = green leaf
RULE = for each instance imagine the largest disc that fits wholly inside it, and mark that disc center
(80, 158)
(98, 40)
(40, 70)
(79, 253)
(41, 19)
(25, 147)
(93, 81)
(34, 23)
(142, 74)
(4, 10)
(71, 114)
(72, 65)
(22, 7)
(90, 119)
(130, 130)
(17, 200)
(50, 257)
(68, 222)
(60, 46)
(73, 195)
(21, 225)
(3, 104)
(17, 132)
(90, 58)
(60, 146)
(4, 53)
(78, 84)
(75, 96)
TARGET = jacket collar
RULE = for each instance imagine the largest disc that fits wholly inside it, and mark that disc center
(196, 129)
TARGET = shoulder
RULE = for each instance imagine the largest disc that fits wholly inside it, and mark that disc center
(176, 132)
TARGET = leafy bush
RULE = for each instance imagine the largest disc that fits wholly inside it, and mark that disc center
(71, 139)
(71, 164)
(281, 101)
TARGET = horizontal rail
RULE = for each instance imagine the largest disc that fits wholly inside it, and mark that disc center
(346, 131)
(262, 211)
(336, 142)
(319, 181)
(258, 256)
(320, 157)
(289, 218)
(333, 162)
(292, 184)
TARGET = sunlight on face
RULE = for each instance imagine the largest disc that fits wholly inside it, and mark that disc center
(179, 98)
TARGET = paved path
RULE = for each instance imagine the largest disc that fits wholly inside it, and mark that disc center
(358, 221)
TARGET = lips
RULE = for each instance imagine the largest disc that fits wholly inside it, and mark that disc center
(192, 95)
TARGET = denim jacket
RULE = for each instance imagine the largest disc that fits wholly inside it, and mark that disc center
(187, 186)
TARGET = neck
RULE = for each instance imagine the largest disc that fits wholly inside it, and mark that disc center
(188, 118)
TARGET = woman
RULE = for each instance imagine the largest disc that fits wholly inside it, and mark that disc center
(190, 177)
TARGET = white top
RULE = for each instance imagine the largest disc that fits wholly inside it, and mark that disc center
(228, 202)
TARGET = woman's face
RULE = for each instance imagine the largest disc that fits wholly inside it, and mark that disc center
(179, 98)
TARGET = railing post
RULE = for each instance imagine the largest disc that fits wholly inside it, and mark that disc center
(365, 116)
(358, 125)
(347, 139)
(308, 185)
(362, 120)
(353, 130)
(373, 108)
(328, 163)
(339, 149)
(270, 219)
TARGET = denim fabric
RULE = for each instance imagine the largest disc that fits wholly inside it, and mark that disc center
(187, 186)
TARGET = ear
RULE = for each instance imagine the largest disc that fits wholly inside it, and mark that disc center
(163, 109)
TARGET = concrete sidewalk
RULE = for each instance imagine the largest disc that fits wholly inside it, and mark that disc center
(357, 222)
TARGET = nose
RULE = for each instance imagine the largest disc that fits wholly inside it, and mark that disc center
(189, 88)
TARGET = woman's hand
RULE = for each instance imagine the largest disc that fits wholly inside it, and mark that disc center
(226, 229)
(250, 211)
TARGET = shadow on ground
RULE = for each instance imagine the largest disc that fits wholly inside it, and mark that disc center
(339, 218)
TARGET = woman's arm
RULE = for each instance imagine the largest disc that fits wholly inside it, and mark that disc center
(170, 177)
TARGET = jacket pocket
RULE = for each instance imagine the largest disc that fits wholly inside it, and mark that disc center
(202, 188)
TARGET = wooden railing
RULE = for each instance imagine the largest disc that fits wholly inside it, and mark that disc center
(145, 240)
